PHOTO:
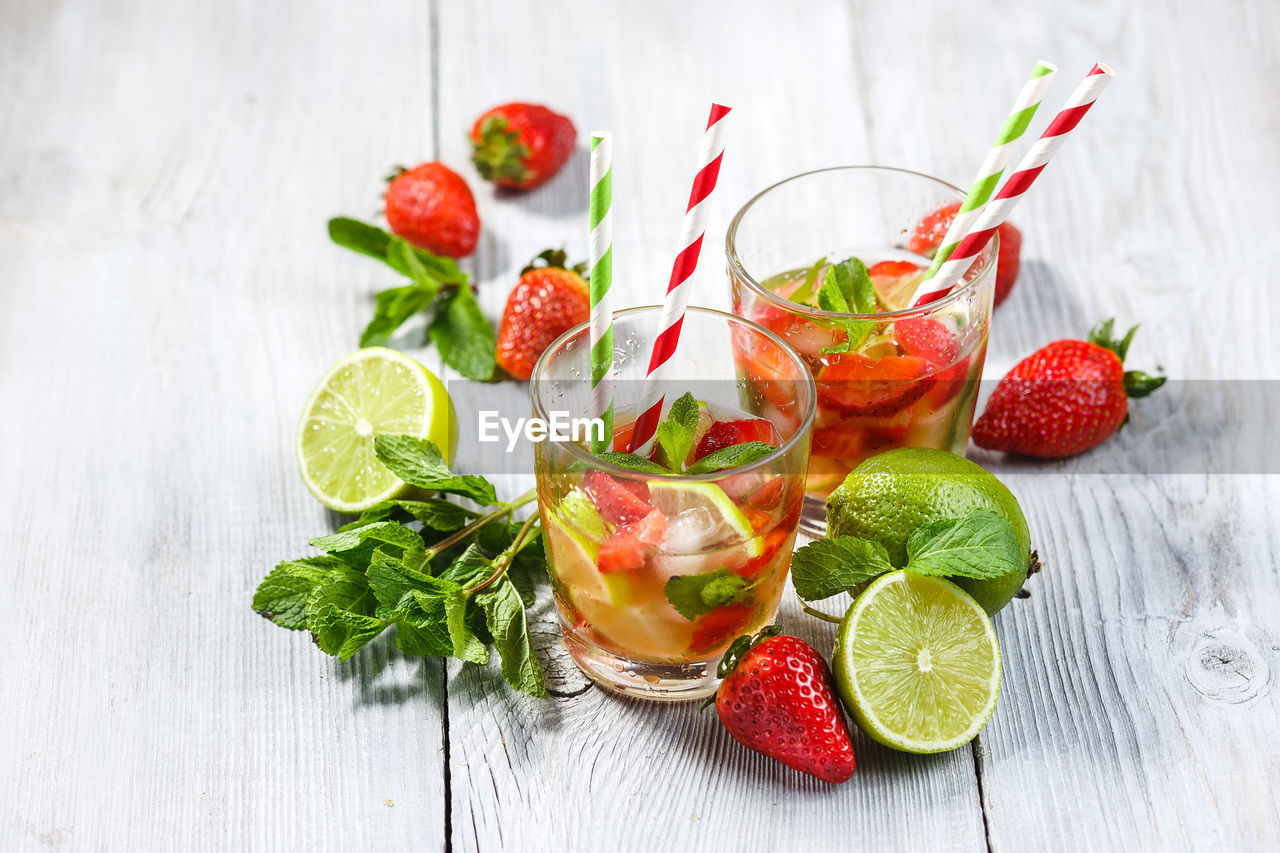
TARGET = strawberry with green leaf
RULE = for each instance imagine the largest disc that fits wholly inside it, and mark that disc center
(549, 299)
(520, 146)
(1065, 398)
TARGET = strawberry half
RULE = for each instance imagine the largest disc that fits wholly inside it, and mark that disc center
(857, 385)
(722, 434)
(628, 547)
(776, 699)
(618, 502)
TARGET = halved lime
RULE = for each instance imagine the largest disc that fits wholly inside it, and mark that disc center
(917, 662)
(373, 391)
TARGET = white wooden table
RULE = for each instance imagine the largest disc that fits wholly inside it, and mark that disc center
(168, 297)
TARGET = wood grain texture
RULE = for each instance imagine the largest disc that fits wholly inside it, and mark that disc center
(168, 297)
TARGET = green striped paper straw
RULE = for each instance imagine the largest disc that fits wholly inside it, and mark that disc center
(600, 253)
(997, 158)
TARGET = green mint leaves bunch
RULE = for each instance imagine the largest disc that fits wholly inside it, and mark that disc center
(675, 439)
(982, 545)
(455, 583)
(457, 327)
(846, 289)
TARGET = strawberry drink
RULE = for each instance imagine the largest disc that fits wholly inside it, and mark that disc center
(659, 562)
(829, 261)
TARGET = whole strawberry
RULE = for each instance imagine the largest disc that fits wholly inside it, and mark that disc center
(432, 207)
(546, 302)
(520, 146)
(929, 233)
(776, 699)
(1065, 398)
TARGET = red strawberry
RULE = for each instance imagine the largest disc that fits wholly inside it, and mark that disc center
(626, 549)
(776, 699)
(930, 231)
(718, 627)
(616, 501)
(521, 146)
(431, 207)
(1065, 398)
(546, 302)
(892, 269)
(857, 385)
(722, 434)
(927, 338)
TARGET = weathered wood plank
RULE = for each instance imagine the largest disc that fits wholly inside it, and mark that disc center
(1137, 692)
(592, 771)
(169, 296)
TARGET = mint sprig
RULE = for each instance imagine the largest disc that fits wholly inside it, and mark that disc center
(451, 587)
(847, 289)
(675, 438)
(464, 337)
(980, 545)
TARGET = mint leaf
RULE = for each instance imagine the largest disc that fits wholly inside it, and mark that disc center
(359, 237)
(469, 567)
(390, 578)
(826, 567)
(855, 331)
(694, 595)
(282, 595)
(356, 547)
(422, 631)
(339, 613)
(373, 241)
(435, 513)
(980, 545)
(676, 432)
(464, 337)
(505, 616)
(419, 463)
(394, 307)
(731, 457)
(632, 462)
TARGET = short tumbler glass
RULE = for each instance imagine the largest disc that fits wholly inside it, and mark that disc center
(913, 382)
(628, 583)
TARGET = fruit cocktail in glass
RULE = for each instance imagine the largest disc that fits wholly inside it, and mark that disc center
(658, 562)
(829, 261)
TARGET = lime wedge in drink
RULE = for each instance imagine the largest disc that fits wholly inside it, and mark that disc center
(917, 662)
(705, 530)
(373, 391)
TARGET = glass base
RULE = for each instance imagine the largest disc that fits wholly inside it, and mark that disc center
(669, 682)
(813, 518)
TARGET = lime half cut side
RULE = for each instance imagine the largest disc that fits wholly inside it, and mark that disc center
(917, 662)
(374, 391)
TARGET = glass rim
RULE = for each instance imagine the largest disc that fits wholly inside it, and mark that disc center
(737, 269)
(804, 429)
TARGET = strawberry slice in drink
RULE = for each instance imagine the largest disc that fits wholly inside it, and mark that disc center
(857, 385)
(895, 282)
(931, 339)
(629, 546)
(722, 434)
(618, 501)
(718, 627)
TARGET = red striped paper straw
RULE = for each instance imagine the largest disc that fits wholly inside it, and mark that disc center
(1015, 187)
(678, 289)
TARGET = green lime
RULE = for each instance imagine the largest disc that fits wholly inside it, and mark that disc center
(917, 662)
(373, 391)
(888, 496)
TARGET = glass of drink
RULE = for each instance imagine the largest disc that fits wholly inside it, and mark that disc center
(655, 573)
(890, 375)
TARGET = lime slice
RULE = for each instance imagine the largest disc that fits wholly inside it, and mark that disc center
(574, 546)
(373, 391)
(917, 662)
